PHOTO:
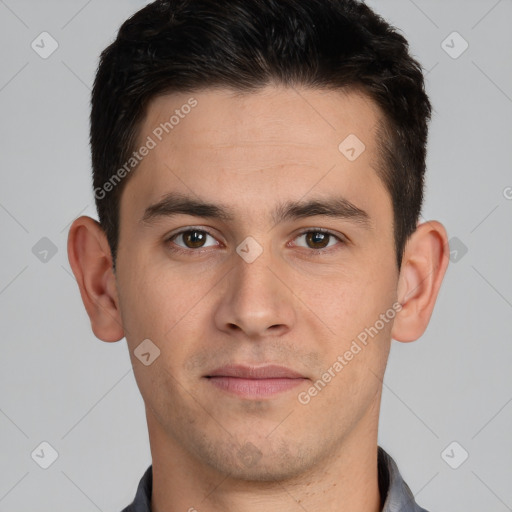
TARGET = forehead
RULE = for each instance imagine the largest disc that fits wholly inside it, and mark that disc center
(224, 117)
(278, 143)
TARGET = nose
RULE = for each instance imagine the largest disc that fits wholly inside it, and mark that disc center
(257, 301)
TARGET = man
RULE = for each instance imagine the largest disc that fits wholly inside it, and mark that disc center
(258, 173)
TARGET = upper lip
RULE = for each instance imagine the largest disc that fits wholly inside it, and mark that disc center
(255, 372)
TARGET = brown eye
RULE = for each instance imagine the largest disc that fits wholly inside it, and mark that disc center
(194, 239)
(317, 239)
(191, 239)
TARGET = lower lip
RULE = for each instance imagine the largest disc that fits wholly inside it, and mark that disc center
(254, 388)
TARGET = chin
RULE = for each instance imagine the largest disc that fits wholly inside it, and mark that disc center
(258, 460)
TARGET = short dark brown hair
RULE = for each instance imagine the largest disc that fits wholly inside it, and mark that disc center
(244, 45)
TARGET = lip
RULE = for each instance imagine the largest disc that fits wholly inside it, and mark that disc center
(270, 371)
(254, 382)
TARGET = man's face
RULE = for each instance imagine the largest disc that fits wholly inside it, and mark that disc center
(298, 304)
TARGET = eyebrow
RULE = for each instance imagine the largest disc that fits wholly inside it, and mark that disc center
(337, 207)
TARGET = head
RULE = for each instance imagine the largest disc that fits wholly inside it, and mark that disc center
(259, 120)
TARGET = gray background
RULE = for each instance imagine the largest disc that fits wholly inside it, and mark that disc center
(61, 385)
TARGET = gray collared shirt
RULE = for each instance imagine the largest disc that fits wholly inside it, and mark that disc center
(395, 493)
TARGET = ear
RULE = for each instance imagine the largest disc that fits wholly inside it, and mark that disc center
(91, 261)
(424, 264)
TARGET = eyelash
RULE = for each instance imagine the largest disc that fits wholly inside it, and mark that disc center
(200, 251)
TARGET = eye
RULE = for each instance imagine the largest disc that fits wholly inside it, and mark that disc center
(191, 239)
(318, 239)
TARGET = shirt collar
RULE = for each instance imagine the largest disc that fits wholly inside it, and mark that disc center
(393, 490)
(395, 493)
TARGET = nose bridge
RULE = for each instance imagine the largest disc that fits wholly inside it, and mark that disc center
(255, 279)
(255, 299)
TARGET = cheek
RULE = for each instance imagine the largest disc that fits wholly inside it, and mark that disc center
(359, 338)
(165, 305)
(360, 317)
(160, 308)
(350, 302)
(148, 303)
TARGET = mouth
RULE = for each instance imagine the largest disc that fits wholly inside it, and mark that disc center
(254, 382)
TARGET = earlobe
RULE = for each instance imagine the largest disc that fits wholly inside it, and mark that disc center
(91, 261)
(423, 267)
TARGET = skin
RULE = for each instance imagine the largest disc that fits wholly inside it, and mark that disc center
(292, 306)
